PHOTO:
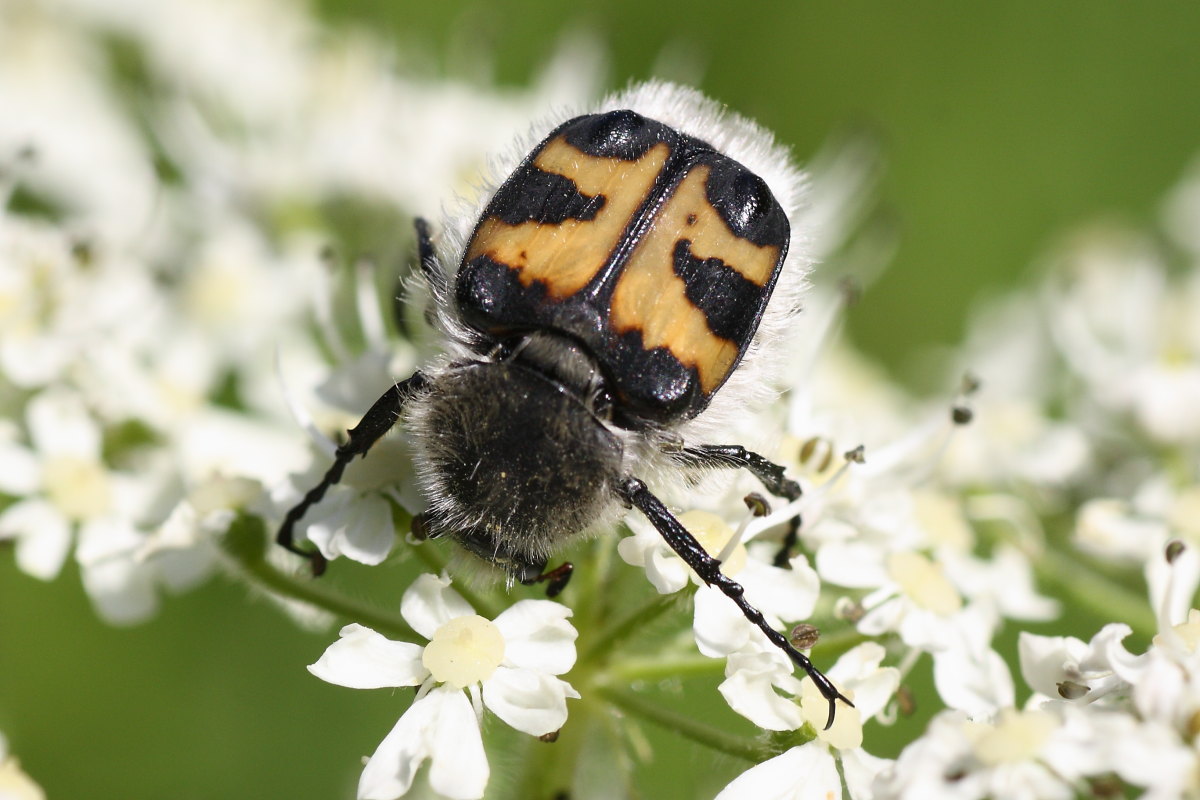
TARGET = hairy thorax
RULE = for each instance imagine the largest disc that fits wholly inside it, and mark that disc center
(513, 462)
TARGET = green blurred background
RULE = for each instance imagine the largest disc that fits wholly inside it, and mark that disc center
(1002, 126)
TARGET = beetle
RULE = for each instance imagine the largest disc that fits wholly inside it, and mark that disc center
(612, 295)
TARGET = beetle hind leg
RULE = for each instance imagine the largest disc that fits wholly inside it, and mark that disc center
(635, 493)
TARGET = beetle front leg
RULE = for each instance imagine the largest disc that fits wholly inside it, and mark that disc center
(378, 420)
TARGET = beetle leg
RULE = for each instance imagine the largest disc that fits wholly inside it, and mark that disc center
(525, 570)
(635, 493)
(768, 473)
(378, 420)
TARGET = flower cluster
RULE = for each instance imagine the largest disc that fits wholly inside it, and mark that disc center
(181, 346)
(153, 271)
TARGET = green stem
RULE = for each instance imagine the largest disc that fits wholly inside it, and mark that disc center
(656, 668)
(635, 704)
(1094, 590)
(548, 767)
(244, 543)
(607, 640)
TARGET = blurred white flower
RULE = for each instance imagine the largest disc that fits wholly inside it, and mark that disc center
(1143, 362)
(1036, 754)
(61, 300)
(54, 83)
(508, 665)
(61, 480)
(14, 783)
(1012, 436)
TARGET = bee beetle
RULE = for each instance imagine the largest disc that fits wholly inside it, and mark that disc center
(601, 314)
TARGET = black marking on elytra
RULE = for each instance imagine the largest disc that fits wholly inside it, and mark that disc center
(729, 302)
(746, 204)
(651, 385)
(492, 299)
(626, 135)
(532, 195)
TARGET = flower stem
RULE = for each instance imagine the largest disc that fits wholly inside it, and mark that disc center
(1108, 598)
(244, 542)
(607, 640)
(635, 704)
(656, 668)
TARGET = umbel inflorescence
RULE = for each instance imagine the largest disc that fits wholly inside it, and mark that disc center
(185, 333)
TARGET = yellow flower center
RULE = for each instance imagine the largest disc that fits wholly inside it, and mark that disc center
(1188, 632)
(78, 487)
(942, 519)
(216, 294)
(464, 651)
(713, 533)
(846, 733)
(924, 582)
(1017, 736)
(1184, 516)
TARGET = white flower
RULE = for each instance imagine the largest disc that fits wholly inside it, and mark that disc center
(51, 88)
(507, 665)
(968, 673)
(809, 770)
(1143, 362)
(60, 478)
(1036, 754)
(1011, 435)
(1153, 698)
(918, 601)
(1066, 667)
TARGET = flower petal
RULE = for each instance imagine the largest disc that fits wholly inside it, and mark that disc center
(43, 537)
(429, 603)
(860, 768)
(364, 659)
(719, 626)
(750, 690)
(441, 726)
(19, 470)
(459, 766)
(530, 702)
(978, 683)
(538, 637)
(807, 772)
(60, 425)
(121, 586)
(786, 595)
(354, 525)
